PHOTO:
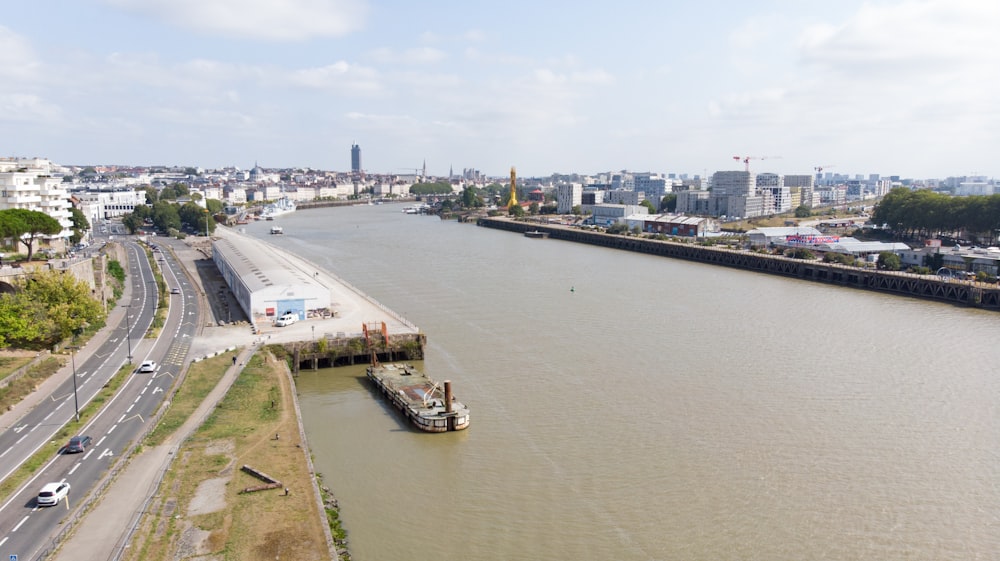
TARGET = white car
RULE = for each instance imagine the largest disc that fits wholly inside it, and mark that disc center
(147, 366)
(52, 493)
(287, 319)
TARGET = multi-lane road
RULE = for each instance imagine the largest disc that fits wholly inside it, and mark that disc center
(28, 531)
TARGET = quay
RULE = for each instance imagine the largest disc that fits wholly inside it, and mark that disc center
(928, 287)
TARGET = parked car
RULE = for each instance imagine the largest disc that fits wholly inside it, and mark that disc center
(147, 366)
(78, 444)
(52, 493)
(287, 319)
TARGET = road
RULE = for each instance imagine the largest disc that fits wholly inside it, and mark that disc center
(28, 531)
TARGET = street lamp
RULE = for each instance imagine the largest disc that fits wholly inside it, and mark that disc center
(76, 402)
(206, 221)
(314, 333)
(128, 331)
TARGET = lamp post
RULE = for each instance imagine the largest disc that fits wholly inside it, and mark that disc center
(314, 334)
(206, 220)
(128, 331)
(76, 402)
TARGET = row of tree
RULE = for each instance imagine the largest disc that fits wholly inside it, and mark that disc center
(928, 214)
(167, 216)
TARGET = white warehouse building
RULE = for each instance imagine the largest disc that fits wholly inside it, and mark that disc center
(264, 283)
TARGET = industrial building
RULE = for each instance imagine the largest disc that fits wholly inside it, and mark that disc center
(265, 283)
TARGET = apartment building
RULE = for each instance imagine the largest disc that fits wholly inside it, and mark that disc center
(28, 184)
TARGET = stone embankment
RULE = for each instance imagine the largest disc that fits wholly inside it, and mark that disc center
(929, 287)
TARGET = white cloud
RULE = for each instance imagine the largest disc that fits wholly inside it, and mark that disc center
(288, 20)
(339, 77)
(908, 40)
(28, 108)
(418, 55)
(16, 56)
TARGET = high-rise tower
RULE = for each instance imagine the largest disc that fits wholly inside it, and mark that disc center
(355, 159)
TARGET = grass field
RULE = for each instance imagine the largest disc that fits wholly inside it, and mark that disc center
(201, 510)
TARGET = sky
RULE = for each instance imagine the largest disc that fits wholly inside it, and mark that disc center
(893, 87)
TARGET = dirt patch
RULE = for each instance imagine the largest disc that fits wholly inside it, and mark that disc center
(210, 496)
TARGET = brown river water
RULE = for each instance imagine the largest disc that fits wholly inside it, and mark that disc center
(632, 407)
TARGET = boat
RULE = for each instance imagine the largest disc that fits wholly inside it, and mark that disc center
(430, 406)
(277, 230)
(284, 205)
(536, 234)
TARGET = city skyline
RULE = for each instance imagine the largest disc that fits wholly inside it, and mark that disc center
(880, 87)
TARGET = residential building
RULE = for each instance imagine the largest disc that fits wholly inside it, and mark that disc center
(28, 184)
(568, 195)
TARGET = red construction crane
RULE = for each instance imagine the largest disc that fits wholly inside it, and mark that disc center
(819, 169)
(746, 159)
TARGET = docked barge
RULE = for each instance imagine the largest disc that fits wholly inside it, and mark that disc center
(428, 405)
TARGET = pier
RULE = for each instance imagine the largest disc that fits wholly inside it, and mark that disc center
(929, 287)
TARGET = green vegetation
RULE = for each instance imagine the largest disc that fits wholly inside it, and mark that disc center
(926, 214)
(801, 253)
(889, 261)
(46, 308)
(27, 225)
(201, 377)
(438, 188)
(802, 211)
(16, 390)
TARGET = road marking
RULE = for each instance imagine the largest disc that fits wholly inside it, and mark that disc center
(23, 520)
(106, 452)
(87, 455)
(121, 418)
(157, 389)
(137, 398)
(130, 408)
(112, 429)
(4, 453)
(3, 541)
(35, 427)
(49, 415)
(100, 441)
(20, 428)
(143, 390)
(72, 469)
(60, 405)
(18, 441)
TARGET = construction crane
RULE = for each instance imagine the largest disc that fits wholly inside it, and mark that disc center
(819, 169)
(746, 159)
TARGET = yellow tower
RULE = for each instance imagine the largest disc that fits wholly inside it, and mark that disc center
(513, 187)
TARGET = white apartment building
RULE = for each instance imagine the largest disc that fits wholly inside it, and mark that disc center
(568, 195)
(27, 184)
(777, 198)
(804, 185)
(623, 197)
(102, 205)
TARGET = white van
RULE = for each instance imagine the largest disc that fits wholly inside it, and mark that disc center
(287, 319)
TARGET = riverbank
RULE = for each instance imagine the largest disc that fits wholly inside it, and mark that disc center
(927, 287)
(243, 483)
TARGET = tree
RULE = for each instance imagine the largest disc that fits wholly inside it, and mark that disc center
(802, 211)
(27, 225)
(668, 203)
(533, 207)
(46, 308)
(470, 198)
(515, 210)
(889, 261)
(80, 225)
(649, 204)
(619, 228)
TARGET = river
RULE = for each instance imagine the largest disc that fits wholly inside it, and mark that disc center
(632, 407)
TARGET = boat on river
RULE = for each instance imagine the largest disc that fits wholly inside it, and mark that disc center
(277, 230)
(284, 205)
(429, 405)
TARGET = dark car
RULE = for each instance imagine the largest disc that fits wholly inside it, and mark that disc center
(78, 444)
